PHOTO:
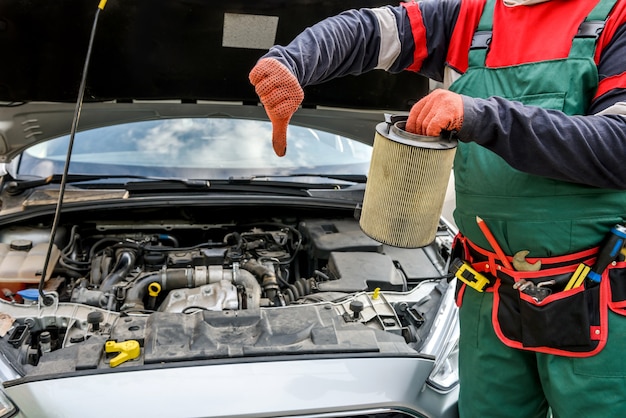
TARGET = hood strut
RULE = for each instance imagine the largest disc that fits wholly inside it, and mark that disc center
(48, 300)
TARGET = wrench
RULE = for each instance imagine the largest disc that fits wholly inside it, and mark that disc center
(521, 264)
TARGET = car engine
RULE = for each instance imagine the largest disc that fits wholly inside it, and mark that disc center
(269, 285)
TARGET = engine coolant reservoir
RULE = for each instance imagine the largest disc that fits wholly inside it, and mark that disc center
(21, 264)
(406, 186)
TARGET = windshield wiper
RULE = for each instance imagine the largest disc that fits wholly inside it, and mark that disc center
(352, 178)
(15, 187)
(266, 183)
(241, 184)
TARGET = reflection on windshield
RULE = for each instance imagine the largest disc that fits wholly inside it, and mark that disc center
(197, 148)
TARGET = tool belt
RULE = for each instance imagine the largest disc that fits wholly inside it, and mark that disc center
(554, 310)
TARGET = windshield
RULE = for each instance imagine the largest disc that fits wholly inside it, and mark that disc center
(197, 148)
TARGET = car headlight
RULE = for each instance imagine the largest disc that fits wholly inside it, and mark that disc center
(445, 374)
(445, 348)
(7, 409)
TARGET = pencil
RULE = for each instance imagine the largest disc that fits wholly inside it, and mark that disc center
(494, 244)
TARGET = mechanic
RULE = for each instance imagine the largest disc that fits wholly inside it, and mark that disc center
(536, 93)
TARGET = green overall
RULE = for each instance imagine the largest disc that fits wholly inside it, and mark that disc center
(548, 218)
(526, 212)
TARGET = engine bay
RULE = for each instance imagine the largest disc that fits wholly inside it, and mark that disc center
(185, 289)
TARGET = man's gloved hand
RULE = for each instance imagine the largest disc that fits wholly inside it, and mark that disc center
(281, 94)
(441, 110)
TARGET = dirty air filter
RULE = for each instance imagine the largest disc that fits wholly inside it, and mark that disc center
(406, 186)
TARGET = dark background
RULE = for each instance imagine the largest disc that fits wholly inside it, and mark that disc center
(162, 49)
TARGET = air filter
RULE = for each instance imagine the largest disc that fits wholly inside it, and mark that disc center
(406, 186)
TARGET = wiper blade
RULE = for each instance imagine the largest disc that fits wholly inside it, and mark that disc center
(15, 187)
(352, 178)
(166, 184)
(250, 185)
(231, 185)
(269, 183)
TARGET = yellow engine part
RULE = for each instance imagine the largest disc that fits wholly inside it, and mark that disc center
(128, 350)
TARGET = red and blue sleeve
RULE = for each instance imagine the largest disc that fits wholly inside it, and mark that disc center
(413, 36)
(425, 37)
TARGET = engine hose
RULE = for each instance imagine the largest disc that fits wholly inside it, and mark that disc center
(252, 287)
(170, 238)
(178, 278)
(135, 295)
(256, 268)
(96, 273)
(184, 278)
(125, 262)
(237, 238)
(168, 280)
(300, 288)
(269, 283)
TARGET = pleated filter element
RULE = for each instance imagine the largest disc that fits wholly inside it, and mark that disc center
(406, 186)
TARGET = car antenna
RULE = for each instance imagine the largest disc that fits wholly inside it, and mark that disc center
(48, 300)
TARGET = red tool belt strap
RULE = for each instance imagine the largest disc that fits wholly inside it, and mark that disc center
(486, 261)
(569, 321)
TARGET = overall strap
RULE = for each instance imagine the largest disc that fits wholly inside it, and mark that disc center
(482, 36)
(584, 43)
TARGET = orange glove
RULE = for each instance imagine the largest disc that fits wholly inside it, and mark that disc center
(281, 94)
(441, 110)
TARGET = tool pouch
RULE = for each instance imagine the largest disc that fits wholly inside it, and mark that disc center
(571, 322)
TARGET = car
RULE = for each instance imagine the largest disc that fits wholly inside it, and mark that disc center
(158, 259)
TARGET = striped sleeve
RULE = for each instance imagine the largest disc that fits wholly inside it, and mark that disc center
(611, 59)
(356, 41)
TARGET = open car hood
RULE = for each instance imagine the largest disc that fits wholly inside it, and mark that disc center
(188, 51)
(188, 261)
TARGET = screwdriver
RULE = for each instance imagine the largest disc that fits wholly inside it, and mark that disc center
(608, 252)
